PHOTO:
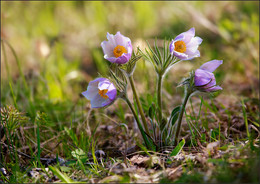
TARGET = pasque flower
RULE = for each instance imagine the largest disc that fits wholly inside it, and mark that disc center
(185, 45)
(204, 79)
(101, 92)
(118, 48)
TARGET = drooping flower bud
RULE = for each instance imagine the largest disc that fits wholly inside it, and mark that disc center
(204, 79)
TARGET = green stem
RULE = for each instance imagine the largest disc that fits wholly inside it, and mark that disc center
(159, 97)
(177, 132)
(38, 141)
(138, 104)
(137, 120)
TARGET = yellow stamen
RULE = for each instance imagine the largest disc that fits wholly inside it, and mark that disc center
(119, 50)
(102, 93)
(180, 46)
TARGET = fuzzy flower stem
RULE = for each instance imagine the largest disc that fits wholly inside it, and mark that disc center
(188, 92)
(138, 104)
(159, 96)
(136, 117)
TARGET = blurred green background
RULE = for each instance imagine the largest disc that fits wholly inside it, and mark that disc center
(58, 43)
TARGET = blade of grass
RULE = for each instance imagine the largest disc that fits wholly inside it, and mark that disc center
(6, 63)
(12, 92)
(18, 64)
(38, 140)
(245, 117)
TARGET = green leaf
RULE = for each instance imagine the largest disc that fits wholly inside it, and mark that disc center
(60, 175)
(65, 169)
(178, 148)
(151, 111)
(78, 154)
(174, 115)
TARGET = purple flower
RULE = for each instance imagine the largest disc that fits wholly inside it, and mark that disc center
(204, 79)
(101, 92)
(118, 48)
(185, 45)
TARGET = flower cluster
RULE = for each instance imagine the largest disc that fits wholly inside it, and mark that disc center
(118, 50)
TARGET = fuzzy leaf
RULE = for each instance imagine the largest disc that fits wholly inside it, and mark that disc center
(151, 111)
(174, 115)
(178, 148)
(62, 176)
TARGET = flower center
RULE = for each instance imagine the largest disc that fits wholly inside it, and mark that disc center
(102, 93)
(180, 46)
(119, 50)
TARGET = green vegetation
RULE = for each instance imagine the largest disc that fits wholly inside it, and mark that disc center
(49, 133)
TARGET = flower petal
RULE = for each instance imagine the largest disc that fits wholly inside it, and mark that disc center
(179, 55)
(104, 84)
(202, 77)
(120, 60)
(90, 93)
(211, 66)
(98, 101)
(214, 88)
(111, 93)
(187, 35)
(111, 59)
(92, 88)
(111, 39)
(211, 83)
(172, 46)
(122, 40)
(179, 37)
(129, 48)
(193, 45)
(123, 59)
(193, 55)
(97, 80)
(106, 102)
(108, 48)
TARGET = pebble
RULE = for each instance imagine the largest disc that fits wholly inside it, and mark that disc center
(4, 172)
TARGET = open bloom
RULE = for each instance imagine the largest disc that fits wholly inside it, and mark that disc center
(101, 92)
(185, 45)
(118, 48)
(204, 79)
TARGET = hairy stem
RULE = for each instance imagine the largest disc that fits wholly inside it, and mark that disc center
(159, 97)
(136, 118)
(177, 132)
(138, 104)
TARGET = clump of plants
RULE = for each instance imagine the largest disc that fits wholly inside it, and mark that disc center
(162, 131)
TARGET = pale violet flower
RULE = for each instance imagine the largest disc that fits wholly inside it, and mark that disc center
(101, 92)
(204, 79)
(118, 48)
(185, 45)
